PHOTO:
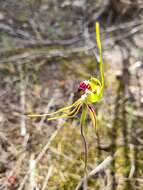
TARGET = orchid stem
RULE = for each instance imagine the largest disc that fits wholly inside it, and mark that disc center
(83, 117)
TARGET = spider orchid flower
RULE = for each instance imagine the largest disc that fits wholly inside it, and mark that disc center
(92, 92)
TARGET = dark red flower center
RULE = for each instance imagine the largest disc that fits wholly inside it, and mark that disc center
(83, 86)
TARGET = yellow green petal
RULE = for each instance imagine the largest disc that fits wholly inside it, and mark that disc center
(69, 115)
(93, 98)
(97, 28)
(56, 112)
(93, 116)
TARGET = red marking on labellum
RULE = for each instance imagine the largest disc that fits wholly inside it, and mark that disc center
(83, 86)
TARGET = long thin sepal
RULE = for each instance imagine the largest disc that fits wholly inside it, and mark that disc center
(58, 111)
(93, 116)
(97, 28)
(69, 115)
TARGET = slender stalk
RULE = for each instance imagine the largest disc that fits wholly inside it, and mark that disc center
(83, 117)
(85, 147)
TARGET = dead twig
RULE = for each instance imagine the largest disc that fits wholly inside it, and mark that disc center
(50, 171)
(23, 84)
(96, 170)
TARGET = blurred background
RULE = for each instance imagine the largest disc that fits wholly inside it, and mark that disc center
(46, 48)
